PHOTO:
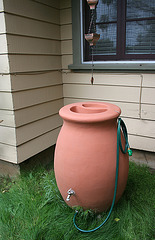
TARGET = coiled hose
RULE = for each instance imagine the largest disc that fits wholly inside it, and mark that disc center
(121, 125)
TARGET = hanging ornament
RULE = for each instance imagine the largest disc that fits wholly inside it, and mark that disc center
(92, 3)
(92, 37)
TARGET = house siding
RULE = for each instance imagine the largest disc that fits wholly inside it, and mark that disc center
(132, 92)
(34, 55)
(7, 126)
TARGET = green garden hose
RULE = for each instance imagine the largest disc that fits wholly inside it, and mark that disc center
(121, 125)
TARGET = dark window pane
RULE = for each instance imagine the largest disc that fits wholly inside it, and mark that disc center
(140, 9)
(106, 11)
(107, 42)
(140, 37)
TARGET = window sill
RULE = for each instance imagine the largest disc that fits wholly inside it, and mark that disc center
(115, 66)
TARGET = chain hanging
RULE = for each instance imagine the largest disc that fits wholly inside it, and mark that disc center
(92, 37)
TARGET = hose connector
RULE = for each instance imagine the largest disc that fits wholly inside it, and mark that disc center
(129, 152)
(70, 193)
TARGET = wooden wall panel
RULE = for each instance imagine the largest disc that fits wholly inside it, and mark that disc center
(6, 101)
(142, 143)
(37, 128)
(32, 97)
(4, 65)
(51, 3)
(148, 111)
(65, 4)
(66, 60)
(148, 95)
(39, 144)
(7, 135)
(66, 47)
(109, 93)
(3, 44)
(8, 153)
(7, 117)
(149, 80)
(66, 32)
(65, 16)
(30, 45)
(39, 111)
(139, 127)
(31, 9)
(38, 80)
(1, 6)
(30, 27)
(5, 83)
(2, 21)
(31, 94)
(28, 63)
(103, 79)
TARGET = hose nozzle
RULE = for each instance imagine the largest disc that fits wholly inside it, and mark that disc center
(70, 193)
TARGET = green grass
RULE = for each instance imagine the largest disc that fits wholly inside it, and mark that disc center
(31, 208)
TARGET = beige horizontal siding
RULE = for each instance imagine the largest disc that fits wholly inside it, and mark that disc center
(49, 3)
(31, 9)
(6, 101)
(149, 80)
(66, 60)
(8, 153)
(65, 4)
(31, 45)
(4, 66)
(5, 84)
(66, 16)
(7, 131)
(66, 47)
(148, 95)
(1, 6)
(142, 143)
(37, 145)
(32, 97)
(35, 112)
(37, 128)
(148, 111)
(8, 135)
(31, 27)
(66, 32)
(2, 25)
(31, 48)
(141, 127)
(108, 93)
(131, 80)
(38, 80)
(28, 63)
(3, 44)
(7, 117)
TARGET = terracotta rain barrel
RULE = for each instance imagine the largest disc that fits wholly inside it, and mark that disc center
(85, 155)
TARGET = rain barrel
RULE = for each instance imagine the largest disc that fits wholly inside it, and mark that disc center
(85, 155)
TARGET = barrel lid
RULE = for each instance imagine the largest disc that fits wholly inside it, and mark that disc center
(87, 112)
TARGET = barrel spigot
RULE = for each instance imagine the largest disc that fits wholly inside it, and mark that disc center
(70, 193)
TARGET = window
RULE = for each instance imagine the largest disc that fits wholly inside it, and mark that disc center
(127, 35)
(126, 28)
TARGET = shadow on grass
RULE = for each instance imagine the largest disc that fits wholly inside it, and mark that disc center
(32, 209)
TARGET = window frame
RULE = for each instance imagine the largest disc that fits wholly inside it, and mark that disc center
(78, 59)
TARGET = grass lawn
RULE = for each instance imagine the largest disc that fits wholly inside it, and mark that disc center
(31, 208)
